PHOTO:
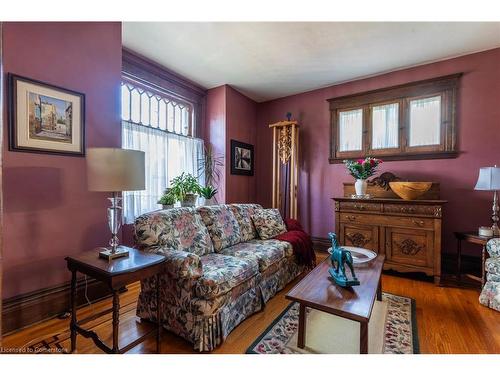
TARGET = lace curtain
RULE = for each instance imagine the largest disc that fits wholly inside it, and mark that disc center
(167, 156)
(351, 130)
(425, 121)
(385, 126)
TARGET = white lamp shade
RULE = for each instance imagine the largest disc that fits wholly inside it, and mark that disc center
(115, 169)
(489, 179)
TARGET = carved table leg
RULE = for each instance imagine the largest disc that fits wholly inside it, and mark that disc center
(116, 320)
(73, 311)
(302, 326)
(379, 290)
(158, 315)
(459, 261)
(363, 338)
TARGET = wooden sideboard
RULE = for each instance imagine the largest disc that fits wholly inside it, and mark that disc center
(408, 233)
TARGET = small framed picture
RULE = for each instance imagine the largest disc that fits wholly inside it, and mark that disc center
(241, 158)
(45, 118)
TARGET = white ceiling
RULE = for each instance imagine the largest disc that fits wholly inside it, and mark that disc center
(271, 60)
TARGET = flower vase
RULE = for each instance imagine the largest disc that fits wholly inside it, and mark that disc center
(360, 187)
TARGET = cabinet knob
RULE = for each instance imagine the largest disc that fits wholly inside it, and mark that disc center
(420, 223)
(351, 218)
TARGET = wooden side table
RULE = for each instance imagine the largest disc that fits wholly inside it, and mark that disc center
(471, 237)
(116, 274)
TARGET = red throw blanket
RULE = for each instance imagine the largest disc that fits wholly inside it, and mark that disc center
(301, 243)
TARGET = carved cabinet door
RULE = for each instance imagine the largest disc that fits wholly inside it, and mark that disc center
(409, 246)
(359, 235)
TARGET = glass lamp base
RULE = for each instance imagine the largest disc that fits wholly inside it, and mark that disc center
(113, 253)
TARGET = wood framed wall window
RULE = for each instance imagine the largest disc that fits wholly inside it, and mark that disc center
(412, 121)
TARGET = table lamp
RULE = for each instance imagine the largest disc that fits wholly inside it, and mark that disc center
(114, 170)
(489, 180)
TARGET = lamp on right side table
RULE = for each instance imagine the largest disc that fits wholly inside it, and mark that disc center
(489, 180)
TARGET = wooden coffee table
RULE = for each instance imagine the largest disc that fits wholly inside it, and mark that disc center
(318, 291)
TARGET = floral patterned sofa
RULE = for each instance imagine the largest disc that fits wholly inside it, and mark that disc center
(218, 271)
(490, 295)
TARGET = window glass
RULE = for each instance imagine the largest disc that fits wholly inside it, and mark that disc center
(158, 126)
(351, 130)
(385, 125)
(425, 121)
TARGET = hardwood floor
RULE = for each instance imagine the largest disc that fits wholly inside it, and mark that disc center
(450, 320)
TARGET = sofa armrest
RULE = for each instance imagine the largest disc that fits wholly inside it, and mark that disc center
(179, 264)
(493, 247)
(183, 265)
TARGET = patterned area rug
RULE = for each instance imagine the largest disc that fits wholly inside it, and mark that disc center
(397, 334)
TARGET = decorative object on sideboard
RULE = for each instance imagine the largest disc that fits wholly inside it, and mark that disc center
(383, 180)
(409, 190)
(379, 187)
(339, 258)
(168, 199)
(115, 170)
(242, 162)
(361, 170)
(45, 118)
(489, 180)
(208, 194)
(286, 166)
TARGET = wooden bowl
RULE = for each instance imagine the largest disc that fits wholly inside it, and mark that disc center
(409, 190)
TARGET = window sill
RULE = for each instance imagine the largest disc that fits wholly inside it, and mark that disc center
(408, 156)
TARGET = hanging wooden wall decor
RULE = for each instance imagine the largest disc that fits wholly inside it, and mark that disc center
(285, 167)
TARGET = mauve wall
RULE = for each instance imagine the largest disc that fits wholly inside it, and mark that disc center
(241, 117)
(478, 137)
(230, 115)
(215, 131)
(48, 212)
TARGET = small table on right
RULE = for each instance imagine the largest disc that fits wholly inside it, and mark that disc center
(471, 237)
(316, 290)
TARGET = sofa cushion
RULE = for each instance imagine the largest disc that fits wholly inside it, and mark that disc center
(268, 223)
(265, 253)
(176, 229)
(221, 273)
(243, 214)
(286, 246)
(221, 224)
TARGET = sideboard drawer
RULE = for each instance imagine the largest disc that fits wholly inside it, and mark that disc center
(360, 206)
(365, 236)
(415, 209)
(389, 221)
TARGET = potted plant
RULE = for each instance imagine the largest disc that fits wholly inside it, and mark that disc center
(209, 167)
(185, 188)
(361, 169)
(208, 192)
(168, 199)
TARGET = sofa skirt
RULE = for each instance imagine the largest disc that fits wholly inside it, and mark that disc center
(205, 326)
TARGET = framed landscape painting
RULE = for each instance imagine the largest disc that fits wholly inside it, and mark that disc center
(241, 158)
(45, 118)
